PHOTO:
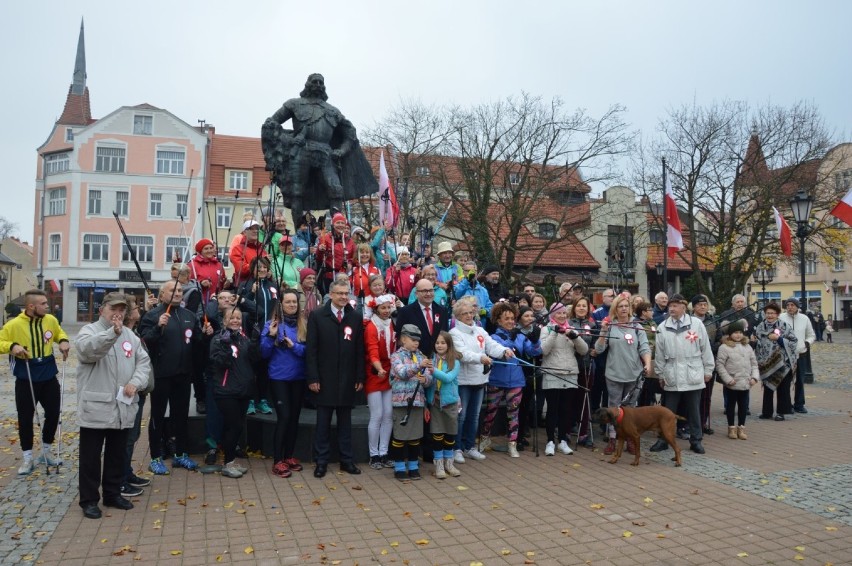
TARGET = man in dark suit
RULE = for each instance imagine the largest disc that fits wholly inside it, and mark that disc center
(429, 317)
(334, 360)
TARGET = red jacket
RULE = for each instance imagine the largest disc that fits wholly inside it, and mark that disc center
(335, 258)
(400, 282)
(360, 279)
(203, 269)
(243, 254)
(375, 348)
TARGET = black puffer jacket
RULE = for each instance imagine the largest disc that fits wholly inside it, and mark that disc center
(170, 347)
(233, 376)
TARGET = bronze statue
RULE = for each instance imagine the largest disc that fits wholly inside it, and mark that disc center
(319, 163)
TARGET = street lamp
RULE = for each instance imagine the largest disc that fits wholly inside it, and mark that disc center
(834, 287)
(802, 204)
(763, 277)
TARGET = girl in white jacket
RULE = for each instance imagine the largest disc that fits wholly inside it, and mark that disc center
(477, 349)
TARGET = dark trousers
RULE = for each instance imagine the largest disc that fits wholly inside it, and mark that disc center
(261, 379)
(600, 395)
(704, 405)
(560, 407)
(213, 418)
(172, 392)
(133, 434)
(287, 396)
(113, 442)
(799, 384)
(47, 394)
(737, 400)
(234, 419)
(691, 400)
(322, 439)
(785, 406)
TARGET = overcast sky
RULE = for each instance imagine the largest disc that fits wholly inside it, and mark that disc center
(233, 63)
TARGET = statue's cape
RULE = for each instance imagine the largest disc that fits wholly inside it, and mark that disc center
(356, 174)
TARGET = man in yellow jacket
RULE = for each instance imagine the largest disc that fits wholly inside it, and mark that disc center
(29, 338)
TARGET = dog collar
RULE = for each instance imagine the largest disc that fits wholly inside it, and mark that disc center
(620, 416)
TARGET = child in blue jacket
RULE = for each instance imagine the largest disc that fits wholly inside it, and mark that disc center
(442, 398)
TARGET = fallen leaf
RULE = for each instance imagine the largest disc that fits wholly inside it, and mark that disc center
(742, 554)
(384, 552)
(799, 548)
(647, 500)
(788, 490)
(407, 514)
(449, 517)
(596, 506)
(798, 557)
(218, 558)
(505, 552)
(462, 488)
(764, 482)
(103, 540)
(627, 534)
(249, 550)
(832, 509)
(241, 511)
(422, 542)
(661, 535)
(530, 554)
(694, 492)
(566, 532)
(476, 564)
(335, 562)
(320, 546)
(394, 544)
(357, 487)
(831, 528)
(228, 505)
(176, 552)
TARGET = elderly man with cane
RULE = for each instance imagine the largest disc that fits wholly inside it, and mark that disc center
(113, 367)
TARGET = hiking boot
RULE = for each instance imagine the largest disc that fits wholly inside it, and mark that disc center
(211, 457)
(128, 490)
(414, 474)
(264, 407)
(184, 461)
(293, 464)
(450, 468)
(732, 432)
(564, 448)
(27, 466)
(251, 409)
(610, 447)
(485, 443)
(513, 450)
(440, 473)
(230, 470)
(281, 469)
(550, 448)
(660, 445)
(401, 475)
(158, 467)
(741, 433)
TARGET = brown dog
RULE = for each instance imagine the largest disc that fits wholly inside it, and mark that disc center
(631, 422)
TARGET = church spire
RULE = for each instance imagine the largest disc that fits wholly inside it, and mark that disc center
(79, 84)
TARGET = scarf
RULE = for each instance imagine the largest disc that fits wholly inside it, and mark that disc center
(775, 359)
(385, 328)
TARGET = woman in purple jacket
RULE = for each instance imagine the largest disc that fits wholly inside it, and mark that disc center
(283, 345)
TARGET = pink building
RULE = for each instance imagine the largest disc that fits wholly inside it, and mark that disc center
(141, 162)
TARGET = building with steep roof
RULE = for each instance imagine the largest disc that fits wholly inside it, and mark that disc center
(141, 163)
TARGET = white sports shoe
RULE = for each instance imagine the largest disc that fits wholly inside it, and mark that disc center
(47, 457)
(474, 454)
(564, 448)
(27, 467)
(458, 457)
(550, 449)
(484, 443)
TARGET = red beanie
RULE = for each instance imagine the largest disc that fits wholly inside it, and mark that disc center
(201, 243)
(305, 272)
(339, 218)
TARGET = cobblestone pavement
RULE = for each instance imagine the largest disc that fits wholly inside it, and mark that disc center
(783, 496)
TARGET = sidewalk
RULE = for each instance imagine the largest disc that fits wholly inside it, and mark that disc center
(783, 496)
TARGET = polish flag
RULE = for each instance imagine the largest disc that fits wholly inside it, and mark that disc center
(843, 209)
(674, 235)
(55, 286)
(388, 207)
(784, 233)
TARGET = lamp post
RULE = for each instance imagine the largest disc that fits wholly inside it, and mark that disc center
(763, 277)
(659, 268)
(802, 204)
(834, 288)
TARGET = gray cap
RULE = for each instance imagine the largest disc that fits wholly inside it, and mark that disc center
(411, 331)
(113, 299)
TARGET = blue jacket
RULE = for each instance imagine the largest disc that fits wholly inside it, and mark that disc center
(463, 289)
(301, 244)
(510, 374)
(447, 382)
(376, 244)
(285, 364)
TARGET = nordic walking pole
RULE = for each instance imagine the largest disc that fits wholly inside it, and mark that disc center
(59, 424)
(37, 416)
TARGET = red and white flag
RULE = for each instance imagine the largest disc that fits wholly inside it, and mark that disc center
(784, 233)
(388, 207)
(674, 235)
(843, 209)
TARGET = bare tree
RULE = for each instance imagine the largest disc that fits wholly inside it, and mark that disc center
(730, 164)
(7, 228)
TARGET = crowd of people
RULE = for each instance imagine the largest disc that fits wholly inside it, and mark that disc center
(329, 319)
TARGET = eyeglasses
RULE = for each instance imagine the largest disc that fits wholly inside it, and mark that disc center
(427, 291)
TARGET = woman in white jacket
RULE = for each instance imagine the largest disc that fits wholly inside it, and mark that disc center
(560, 343)
(477, 349)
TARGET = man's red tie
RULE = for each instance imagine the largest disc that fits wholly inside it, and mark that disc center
(429, 319)
(339, 316)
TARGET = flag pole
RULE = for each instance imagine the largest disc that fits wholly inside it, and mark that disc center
(665, 236)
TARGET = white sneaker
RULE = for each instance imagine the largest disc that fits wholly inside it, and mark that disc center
(230, 470)
(458, 457)
(27, 467)
(564, 448)
(474, 454)
(47, 457)
(484, 443)
(550, 449)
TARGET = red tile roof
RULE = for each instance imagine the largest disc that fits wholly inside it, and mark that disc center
(234, 152)
(77, 111)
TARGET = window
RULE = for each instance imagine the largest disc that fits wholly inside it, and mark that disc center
(810, 264)
(656, 236)
(122, 203)
(56, 202)
(223, 256)
(423, 171)
(69, 134)
(175, 248)
(768, 297)
(843, 180)
(248, 212)
(514, 179)
(170, 162)
(223, 216)
(839, 260)
(546, 230)
(142, 245)
(96, 247)
(143, 125)
(181, 208)
(54, 247)
(619, 251)
(57, 163)
(566, 198)
(238, 181)
(155, 205)
(94, 202)
(110, 159)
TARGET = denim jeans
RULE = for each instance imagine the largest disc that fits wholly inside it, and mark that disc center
(471, 397)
